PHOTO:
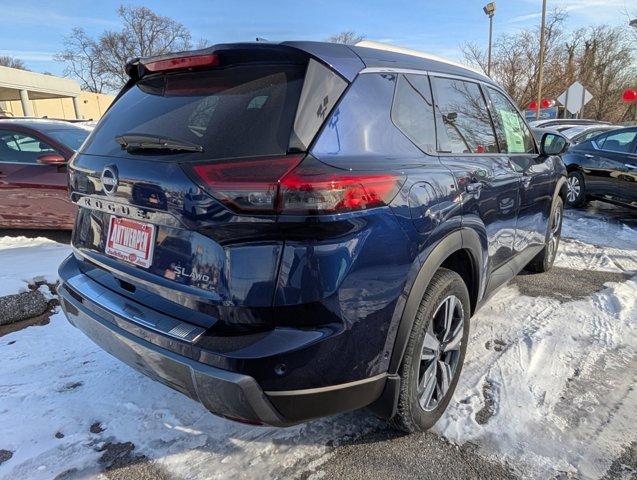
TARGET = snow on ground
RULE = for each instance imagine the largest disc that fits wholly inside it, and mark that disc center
(28, 260)
(555, 381)
(559, 378)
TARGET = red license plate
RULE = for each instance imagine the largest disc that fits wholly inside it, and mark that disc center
(131, 241)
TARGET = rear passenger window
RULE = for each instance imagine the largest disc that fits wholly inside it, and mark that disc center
(513, 134)
(617, 142)
(412, 111)
(464, 125)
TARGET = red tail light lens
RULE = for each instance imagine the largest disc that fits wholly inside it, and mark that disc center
(179, 63)
(286, 186)
(315, 188)
(249, 186)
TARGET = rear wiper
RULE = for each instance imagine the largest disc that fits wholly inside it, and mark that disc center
(141, 141)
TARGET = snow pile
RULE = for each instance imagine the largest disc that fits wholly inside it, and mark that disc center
(28, 260)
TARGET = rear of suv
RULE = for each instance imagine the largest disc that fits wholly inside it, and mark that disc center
(288, 231)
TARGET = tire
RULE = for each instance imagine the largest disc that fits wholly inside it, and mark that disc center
(544, 260)
(417, 410)
(576, 190)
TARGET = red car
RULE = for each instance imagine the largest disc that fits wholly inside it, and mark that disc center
(33, 181)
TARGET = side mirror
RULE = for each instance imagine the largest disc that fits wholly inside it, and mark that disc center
(51, 159)
(553, 144)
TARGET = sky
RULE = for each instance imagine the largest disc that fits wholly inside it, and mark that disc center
(34, 30)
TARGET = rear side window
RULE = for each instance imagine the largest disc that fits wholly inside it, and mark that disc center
(16, 147)
(513, 134)
(617, 142)
(412, 111)
(231, 112)
(464, 125)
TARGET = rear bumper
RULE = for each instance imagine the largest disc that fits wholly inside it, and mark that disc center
(228, 394)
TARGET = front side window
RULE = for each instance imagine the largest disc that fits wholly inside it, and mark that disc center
(16, 147)
(513, 134)
(412, 111)
(617, 142)
(464, 125)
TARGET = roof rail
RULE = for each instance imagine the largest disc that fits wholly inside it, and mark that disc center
(413, 53)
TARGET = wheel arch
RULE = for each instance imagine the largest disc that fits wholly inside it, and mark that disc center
(460, 251)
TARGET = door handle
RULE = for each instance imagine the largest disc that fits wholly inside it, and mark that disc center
(631, 167)
(474, 187)
(588, 155)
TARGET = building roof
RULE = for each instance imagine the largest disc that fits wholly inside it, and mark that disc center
(38, 85)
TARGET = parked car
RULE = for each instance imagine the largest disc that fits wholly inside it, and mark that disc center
(33, 179)
(581, 133)
(603, 168)
(569, 122)
(362, 205)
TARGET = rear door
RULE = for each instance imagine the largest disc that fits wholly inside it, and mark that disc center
(628, 177)
(31, 194)
(487, 182)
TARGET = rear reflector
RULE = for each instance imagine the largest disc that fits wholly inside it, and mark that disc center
(290, 186)
(179, 63)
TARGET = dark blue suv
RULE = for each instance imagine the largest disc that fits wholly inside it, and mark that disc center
(287, 231)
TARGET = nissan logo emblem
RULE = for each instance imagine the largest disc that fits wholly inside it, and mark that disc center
(109, 179)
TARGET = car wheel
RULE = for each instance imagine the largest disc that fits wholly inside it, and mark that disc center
(544, 260)
(435, 353)
(575, 190)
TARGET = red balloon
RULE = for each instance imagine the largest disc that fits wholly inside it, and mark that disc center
(546, 103)
(533, 105)
(630, 95)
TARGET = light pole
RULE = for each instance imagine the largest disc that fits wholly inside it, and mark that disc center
(489, 10)
(540, 71)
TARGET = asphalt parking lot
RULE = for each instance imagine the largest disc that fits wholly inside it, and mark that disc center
(544, 393)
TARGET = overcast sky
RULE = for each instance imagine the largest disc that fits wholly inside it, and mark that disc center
(33, 30)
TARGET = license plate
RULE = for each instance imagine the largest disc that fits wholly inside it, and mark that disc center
(131, 241)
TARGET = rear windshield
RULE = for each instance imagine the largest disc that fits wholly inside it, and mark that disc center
(232, 112)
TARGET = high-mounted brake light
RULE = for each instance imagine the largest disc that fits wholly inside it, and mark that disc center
(179, 63)
(289, 186)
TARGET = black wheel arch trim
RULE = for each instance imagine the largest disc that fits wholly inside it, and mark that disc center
(462, 239)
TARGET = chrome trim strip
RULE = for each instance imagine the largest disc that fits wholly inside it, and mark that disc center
(311, 391)
(393, 70)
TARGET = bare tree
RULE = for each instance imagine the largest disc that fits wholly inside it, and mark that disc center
(348, 37)
(99, 62)
(598, 57)
(12, 62)
(82, 59)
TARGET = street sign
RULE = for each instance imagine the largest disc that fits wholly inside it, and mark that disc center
(575, 97)
(545, 114)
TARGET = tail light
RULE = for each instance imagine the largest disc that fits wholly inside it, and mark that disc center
(289, 186)
(179, 63)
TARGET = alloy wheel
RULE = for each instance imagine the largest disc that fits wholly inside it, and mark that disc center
(573, 188)
(440, 353)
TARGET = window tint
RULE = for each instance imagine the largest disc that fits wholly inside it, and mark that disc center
(617, 142)
(231, 112)
(21, 148)
(464, 125)
(412, 111)
(513, 134)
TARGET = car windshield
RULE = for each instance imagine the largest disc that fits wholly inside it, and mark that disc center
(70, 137)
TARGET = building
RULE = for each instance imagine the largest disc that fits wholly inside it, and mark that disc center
(30, 94)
